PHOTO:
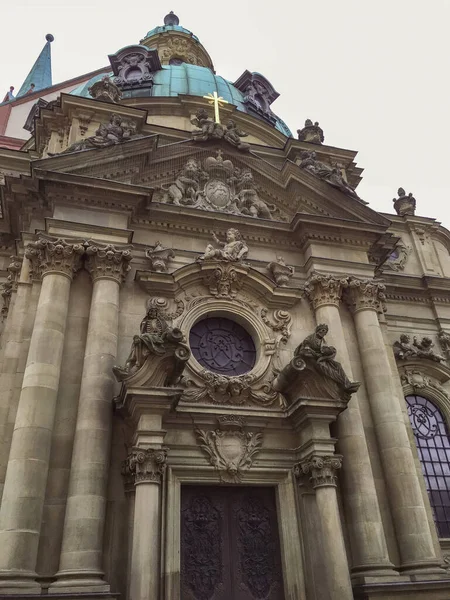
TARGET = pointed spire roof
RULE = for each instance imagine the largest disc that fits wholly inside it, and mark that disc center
(41, 72)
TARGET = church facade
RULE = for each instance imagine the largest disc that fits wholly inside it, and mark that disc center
(223, 375)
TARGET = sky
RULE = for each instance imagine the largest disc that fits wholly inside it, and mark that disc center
(375, 74)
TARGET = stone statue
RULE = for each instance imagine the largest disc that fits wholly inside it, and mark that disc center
(248, 200)
(314, 348)
(234, 249)
(280, 272)
(425, 349)
(118, 130)
(184, 189)
(404, 204)
(105, 91)
(207, 127)
(159, 256)
(156, 337)
(311, 133)
(331, 175)
(403, 349)
(233, 135)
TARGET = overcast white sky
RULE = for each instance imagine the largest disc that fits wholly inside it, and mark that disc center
(375, 74)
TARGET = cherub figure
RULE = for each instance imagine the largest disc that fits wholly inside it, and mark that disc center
(403, 349)
(233, 136)
(425, 349)
(234, 249)
(208, 128)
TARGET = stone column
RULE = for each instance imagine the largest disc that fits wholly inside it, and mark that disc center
(411, 524)
(147, 466)
(369, 551)
(80, 566)
(322, 471)
(26, 476)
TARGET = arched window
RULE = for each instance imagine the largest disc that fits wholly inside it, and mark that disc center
(433, 445)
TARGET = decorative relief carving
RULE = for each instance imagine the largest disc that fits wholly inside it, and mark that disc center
(325, 289)
(157, 338)
(404, 204)
(107, 262)
(281, 273)
(105, 90)
(444, 340)
(134, 66)
(332, 175)
(224, 281)
(230, 449)
(419, 381)
(398, 258)
(322, 470)
(311, 133)
(10, 285)
(404, 350)
(224, 390)
(159, 257)
(364, 294)
(54, 255)
(144, 465)
(282, 324)
(234, 249)
(218, 186)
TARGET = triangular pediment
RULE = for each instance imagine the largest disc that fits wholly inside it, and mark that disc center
(215, 176)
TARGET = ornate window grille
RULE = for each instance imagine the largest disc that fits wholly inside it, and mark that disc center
(433, 444)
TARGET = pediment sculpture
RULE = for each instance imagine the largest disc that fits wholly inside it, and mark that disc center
(313, 134)
(217, 185)
(280, 272)
(404, 204)
(405, 350)
(314, 371)
(208, 129)
(117, 131)
(159, 342)
(332, 175)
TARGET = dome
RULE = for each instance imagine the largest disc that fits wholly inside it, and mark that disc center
(165, 28)
(184, 79)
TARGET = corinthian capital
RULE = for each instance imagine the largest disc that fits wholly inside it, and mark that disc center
(324, 289)
(108, 262)
(144, 465)
(54, 255)
(321, 469)
(365, 294)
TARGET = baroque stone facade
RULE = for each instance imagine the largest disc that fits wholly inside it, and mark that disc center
(209, 340)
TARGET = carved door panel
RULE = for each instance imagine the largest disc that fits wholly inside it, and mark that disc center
(229, 544)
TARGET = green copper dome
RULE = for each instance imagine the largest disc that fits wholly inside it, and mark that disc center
(185, 79)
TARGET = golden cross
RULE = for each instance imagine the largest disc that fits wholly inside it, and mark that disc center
(217, 101)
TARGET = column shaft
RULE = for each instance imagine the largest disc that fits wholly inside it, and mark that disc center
(368, 543)
(26, 477)
(81, 554)
(408, 510)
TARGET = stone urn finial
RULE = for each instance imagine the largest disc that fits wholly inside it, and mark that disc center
(404, 204)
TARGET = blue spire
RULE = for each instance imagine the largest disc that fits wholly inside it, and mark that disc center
(41, 72)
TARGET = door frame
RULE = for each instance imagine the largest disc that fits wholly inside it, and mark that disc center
(287, 515)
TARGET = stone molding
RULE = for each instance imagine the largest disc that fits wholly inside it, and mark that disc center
(365, 294)
(321, 469)
(54, 255)
(144, 465)
(107, 262)
(325, 289)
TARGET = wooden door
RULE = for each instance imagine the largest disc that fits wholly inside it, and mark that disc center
(230, 544)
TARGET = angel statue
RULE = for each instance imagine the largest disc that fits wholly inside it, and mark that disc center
(234, 249)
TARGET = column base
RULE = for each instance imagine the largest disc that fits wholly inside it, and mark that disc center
(423, 590)
(362, 574)
(423, 570)
(19, 582)
(76, 582)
